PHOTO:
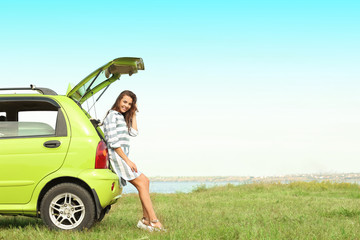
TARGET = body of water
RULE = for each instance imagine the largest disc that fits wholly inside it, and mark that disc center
(188, 186)
(174, 187)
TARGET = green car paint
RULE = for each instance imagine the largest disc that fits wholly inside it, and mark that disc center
(30, 166)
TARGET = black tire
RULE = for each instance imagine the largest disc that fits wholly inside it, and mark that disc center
(68, 206)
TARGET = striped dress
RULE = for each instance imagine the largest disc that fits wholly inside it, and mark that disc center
(117, 135)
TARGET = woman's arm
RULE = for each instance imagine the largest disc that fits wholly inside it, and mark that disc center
(126, 159)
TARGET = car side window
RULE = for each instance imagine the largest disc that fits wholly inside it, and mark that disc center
(46, 117)
(29, 118)
(33, 123)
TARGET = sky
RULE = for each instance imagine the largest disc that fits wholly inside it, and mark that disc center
(230, 88)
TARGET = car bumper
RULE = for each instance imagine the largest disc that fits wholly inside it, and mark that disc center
(105, 183)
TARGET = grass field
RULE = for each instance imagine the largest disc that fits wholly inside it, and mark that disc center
(256, 211)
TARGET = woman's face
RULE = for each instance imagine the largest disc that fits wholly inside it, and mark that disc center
(125, 104)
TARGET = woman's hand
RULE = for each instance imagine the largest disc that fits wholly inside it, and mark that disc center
(132, 166)
(126, 159)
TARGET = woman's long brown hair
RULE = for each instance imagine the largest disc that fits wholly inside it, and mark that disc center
(128, 114)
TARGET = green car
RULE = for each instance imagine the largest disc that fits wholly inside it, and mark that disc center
(53, 158)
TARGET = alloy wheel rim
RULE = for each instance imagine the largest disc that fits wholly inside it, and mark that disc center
(67, 211)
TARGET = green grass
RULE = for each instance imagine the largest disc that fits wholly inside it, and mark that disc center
(297, 210)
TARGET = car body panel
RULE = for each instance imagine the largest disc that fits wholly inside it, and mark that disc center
(24, 162)
(105, 183)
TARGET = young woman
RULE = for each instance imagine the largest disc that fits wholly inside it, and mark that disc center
(119, 125)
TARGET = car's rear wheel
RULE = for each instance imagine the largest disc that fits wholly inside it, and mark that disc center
(68, 206)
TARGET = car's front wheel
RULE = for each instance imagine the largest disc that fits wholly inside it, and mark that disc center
(68, 206)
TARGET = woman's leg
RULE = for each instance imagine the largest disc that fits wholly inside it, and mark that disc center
(142, 184)
(145, 214)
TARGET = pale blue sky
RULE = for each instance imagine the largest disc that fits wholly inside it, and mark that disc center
(230, 87)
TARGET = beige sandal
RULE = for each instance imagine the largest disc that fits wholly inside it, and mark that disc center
(142, 225)
(156, 228)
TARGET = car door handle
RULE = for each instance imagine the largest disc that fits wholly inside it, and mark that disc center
(52, 144)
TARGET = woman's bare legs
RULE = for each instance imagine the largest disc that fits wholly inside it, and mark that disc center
(142, 184)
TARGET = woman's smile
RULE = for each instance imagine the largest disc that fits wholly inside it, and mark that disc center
(124, 108)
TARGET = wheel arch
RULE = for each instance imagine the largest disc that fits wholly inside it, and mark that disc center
(74, 180)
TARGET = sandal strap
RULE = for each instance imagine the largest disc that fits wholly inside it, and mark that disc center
(155, 221)
(144, 220)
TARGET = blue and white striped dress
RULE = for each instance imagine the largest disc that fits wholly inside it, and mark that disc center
(117, 135)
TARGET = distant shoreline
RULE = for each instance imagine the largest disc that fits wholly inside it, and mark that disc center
(336, 177)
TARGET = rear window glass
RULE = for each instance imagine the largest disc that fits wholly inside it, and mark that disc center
(92, 84)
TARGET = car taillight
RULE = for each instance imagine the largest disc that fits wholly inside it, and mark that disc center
(101, 159)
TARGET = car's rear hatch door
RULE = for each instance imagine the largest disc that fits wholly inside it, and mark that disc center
(103, 77)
